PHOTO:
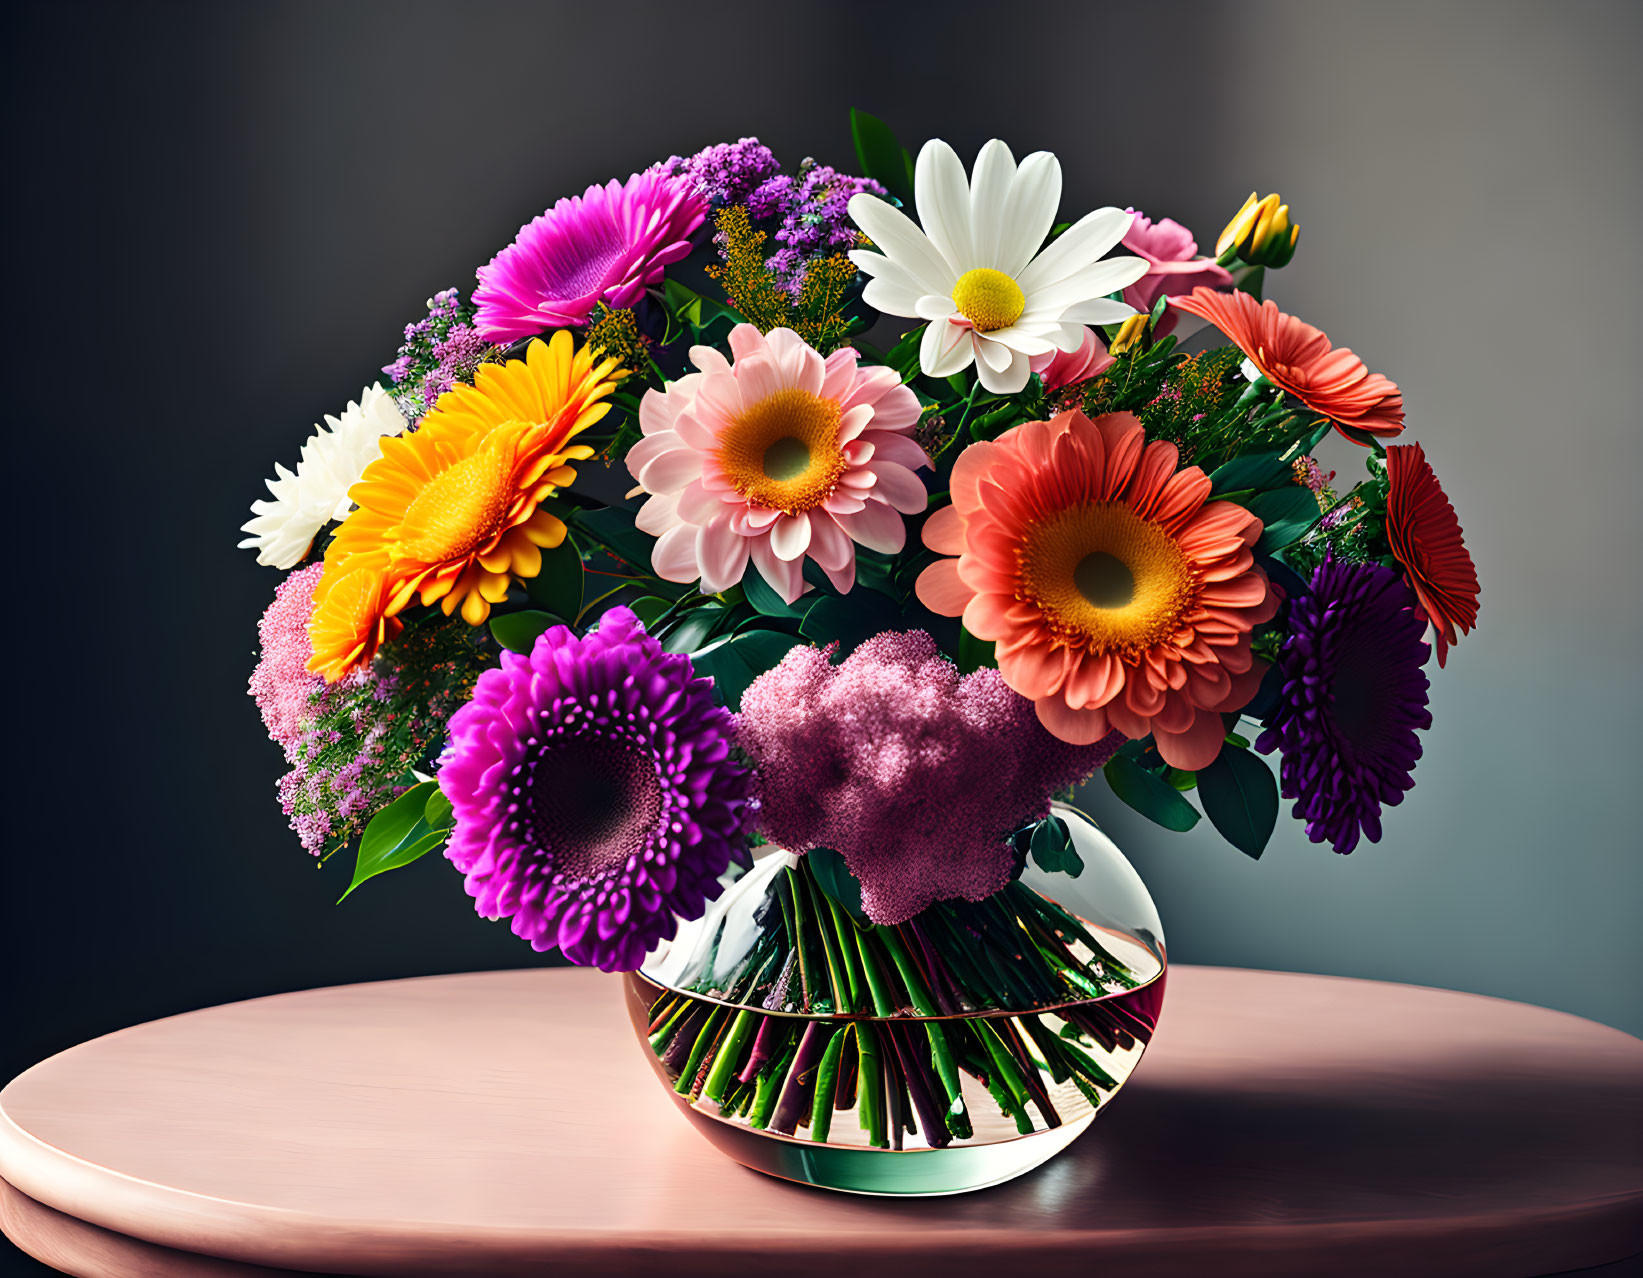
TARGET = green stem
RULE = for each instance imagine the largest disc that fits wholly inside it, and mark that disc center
(687, 1077)
(941, 1054)
(835, 961)
(821, 1105)
(769, 1085)
(1084, 1065)
(870, 1086)
(910, 975)
(801, 933)
(1009, 1075)
(729, 1054)
(843, 929)
(883, 1005)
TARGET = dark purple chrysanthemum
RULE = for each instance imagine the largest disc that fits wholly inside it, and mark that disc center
(594, 794)
(1353, 695)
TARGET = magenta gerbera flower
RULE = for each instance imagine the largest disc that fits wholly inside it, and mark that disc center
(594, 794)
(606, 245)
(916, 776)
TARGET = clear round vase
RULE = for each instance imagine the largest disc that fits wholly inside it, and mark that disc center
(955, 1051)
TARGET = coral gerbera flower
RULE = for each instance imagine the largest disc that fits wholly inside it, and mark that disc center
(1426, 539)
(451, 512)
(606, 245)
(595, 795)
(777, 456)
(1117, 595)
(1299, 360)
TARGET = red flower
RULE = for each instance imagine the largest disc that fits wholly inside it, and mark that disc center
(1426, 540)
(1298, 359)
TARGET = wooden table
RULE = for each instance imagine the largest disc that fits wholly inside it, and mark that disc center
(506, 1123)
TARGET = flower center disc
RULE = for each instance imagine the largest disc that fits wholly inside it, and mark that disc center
(783, 452)
(594, 803)
(1106, 579)
(459, 509)
(989, 299)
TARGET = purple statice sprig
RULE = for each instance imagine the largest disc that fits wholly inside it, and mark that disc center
(809, 210)
(727, 172)
(440, 349)
(812, 214)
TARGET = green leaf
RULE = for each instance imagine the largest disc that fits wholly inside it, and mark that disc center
(701, 313)
(737, 660)
(1240, 796)
(1253, 471)
(1359, 436)
(613, 528)
(1149, 794)
(517, 631)
(558, 587)
(880, 156)
(693, 631)
(1285, 514)
(437, 811)
(834, 877)
(1052, 848)
(850, 621)
(973, 653)
(648, 608)
(396, 836)
(762, 595)
(904, 355)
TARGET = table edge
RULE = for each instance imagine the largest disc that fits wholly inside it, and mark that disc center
(1593, 1232)
(1573, 1236)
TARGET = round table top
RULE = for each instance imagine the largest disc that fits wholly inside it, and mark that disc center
(506, 1122)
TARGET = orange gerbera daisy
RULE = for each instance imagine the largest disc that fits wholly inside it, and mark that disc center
(451, 512)
(1426, 539)
(1298, 359)
(354, 622)
(1117, 597)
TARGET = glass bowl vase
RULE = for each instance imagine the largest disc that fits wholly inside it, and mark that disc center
(957, 1050)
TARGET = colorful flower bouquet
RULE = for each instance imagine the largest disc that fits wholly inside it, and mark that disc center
(734, 579)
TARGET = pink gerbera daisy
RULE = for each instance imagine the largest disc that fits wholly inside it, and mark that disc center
(779, 455)
(606, 245)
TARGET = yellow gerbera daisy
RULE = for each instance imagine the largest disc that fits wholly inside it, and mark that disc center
(450, 512)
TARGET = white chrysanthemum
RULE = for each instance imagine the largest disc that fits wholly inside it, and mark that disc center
(972, 270)
(332, 462)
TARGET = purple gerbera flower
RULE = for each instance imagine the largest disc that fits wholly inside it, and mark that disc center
(606, 245)
(594, 794)
(1353, 695)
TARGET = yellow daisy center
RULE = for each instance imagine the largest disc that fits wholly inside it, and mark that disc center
(460, 509)
(1106, 579)
(989, 299)
(783, 452)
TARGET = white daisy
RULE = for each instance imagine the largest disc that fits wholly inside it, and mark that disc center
(332, 462)
(972, 270)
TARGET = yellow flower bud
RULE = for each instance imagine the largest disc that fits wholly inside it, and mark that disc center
(1260, 234)
(1129, 334)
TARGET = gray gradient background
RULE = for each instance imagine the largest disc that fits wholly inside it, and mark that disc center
(221, 216)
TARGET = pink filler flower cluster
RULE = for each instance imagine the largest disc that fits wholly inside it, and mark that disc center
(915, 775)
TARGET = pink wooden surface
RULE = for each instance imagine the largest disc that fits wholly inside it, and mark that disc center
(503, 1123)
